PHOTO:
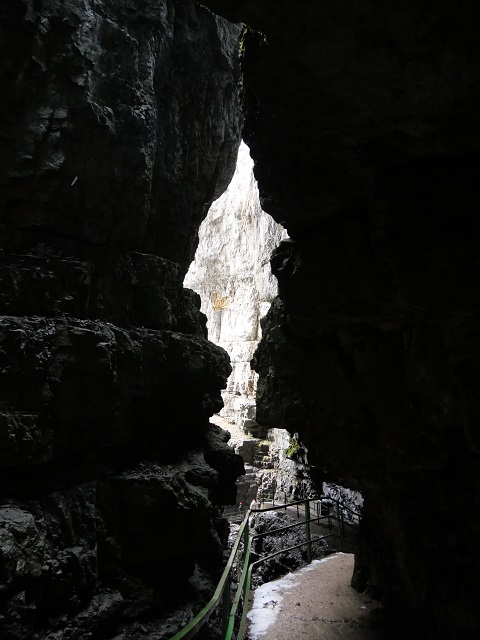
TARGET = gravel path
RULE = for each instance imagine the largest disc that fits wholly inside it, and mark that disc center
(316, 602)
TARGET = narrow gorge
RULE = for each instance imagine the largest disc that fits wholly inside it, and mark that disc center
(231, 273)
(120, 125)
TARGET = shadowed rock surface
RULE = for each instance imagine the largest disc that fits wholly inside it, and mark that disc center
(119, 124)
(362, 121)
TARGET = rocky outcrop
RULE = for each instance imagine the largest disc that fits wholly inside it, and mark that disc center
(68, 385)
(119, 125)
(362, 120)
(112, 554)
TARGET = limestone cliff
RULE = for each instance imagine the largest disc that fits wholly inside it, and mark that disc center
(231, 273)
(119, 125)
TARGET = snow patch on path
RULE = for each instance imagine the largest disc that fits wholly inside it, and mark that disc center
(268, 597)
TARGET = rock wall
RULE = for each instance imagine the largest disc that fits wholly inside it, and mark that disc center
(231, 273)
(362, 120)
(119, 125)
(290, 479)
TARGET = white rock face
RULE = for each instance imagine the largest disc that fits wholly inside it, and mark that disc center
(351, 499)
(231, 272)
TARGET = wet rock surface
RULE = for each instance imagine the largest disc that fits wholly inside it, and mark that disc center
(119, 125)
(68, 385)
(125, 288)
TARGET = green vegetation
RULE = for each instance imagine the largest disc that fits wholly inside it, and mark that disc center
(245, 31)
(294, 449)
(242, 40)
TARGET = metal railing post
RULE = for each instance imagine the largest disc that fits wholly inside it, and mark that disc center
(246, 534)
(307, 530)
(225, 607)
(339, 524)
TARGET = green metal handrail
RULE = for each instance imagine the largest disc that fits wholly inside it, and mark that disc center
(248, 584)
(223, 588)
(222, 592)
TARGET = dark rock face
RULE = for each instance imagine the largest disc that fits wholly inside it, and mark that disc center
(119, 124)
(125, 287)
(73, 389)
(362, 120)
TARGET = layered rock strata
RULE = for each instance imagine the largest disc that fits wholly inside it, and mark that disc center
(119, 125)
(362, 120)
(231, 273)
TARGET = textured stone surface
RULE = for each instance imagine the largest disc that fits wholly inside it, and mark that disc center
(126, 288)
(95, 558)
(75, 388)
(362, 120)
(119, 125)
(231, 273)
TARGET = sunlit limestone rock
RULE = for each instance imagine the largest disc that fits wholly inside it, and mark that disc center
(231, 272)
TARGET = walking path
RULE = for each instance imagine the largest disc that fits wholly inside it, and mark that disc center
(313, 603)
(237, 434)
